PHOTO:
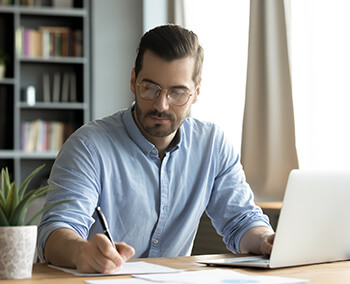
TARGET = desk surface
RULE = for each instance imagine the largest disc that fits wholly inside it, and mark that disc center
(273, 205)
(336, 272)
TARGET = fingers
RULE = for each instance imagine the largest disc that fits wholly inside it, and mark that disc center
(99, 254)
(125, 250)
(266, 244)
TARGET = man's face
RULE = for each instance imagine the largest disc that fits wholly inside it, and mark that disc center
(158, 118)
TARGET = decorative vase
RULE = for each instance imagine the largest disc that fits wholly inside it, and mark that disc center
(17, 249)
(2, 71)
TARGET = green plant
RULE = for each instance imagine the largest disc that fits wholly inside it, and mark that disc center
(14, 201)
(4, 58)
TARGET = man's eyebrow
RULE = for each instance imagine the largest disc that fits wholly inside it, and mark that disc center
(172, 87)
(150, 81)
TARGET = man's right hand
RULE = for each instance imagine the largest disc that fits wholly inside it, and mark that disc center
(98, 254)
(66, 248)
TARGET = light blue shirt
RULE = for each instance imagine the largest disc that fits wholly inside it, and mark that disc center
(151, 204)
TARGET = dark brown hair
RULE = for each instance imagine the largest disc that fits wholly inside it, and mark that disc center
(171, 42)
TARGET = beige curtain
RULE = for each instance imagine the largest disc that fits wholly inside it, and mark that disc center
(268, 139)
(176, 12)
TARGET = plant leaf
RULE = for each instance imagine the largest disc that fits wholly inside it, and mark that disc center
(2, 202)
(5, 183)
(2, 189)
(43, 210)
(24, 185)
(18, 215)
(3, 218)
(9, 200)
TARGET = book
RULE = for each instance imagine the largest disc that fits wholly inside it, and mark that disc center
(73, 88)
(26, 36)
(19, 41)
(31, 135)
(45, 42)
(77, 43)
(62, 3)
(35, 43)
(65, 87)
(46, 88)
(56, 87)
(55, 40)
(41, 136)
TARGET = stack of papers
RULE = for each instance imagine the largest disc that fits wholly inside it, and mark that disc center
(129, 268)
(214, 276)
(145, 273)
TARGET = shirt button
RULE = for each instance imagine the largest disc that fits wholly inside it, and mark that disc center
(154, 151)
(155, 242)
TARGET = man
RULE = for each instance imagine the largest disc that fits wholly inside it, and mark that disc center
(152, 170)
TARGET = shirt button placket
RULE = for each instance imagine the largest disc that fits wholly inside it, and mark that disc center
(164, 184)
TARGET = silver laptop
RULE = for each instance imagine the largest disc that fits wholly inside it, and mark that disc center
(314, 223)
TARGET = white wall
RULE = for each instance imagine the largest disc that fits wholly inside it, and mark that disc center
(116, 27)
(155, 13)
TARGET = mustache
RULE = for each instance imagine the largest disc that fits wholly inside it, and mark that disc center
(160, 114)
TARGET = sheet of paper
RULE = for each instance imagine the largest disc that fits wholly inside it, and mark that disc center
(217, 276)
(139, 267)
(119, 281)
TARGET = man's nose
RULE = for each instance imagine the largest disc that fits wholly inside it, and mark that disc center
(161, 103)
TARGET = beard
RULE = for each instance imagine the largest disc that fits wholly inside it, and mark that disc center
(158, 130)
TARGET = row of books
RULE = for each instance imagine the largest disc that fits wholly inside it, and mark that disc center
(38, 3)
(60, 87)
(48, 42)
(41, 136)
(55, 3)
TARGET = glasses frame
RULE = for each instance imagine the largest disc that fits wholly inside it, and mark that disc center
(160, 91)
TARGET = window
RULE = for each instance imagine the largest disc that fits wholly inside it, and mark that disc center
(222, 27)
(320, 58)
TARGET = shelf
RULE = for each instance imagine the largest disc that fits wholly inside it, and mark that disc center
(57, 59)
(42, 105)
(17, 154)
(52, 76)
(52, 11)
(44, 11)
(7, 81)
(7, 9)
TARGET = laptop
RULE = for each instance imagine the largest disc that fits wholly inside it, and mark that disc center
(314, 223)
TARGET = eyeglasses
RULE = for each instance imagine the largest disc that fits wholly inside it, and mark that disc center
(177, 96)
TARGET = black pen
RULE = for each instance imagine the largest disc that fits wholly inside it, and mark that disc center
(104, 225)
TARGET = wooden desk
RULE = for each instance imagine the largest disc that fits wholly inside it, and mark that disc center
(274, 205)
(336, 272)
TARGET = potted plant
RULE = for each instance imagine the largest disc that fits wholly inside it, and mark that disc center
(17, 237)
(4, 58)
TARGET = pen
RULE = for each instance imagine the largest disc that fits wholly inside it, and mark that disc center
(104, 225)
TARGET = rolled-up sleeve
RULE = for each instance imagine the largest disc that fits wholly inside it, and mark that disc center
(74, 175)
(231, 207)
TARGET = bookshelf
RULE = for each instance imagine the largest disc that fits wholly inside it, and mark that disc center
(45, 93)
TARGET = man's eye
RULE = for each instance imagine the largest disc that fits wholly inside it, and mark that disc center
(178, 92)
(150, 87)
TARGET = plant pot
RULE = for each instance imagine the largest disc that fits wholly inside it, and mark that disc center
(17, 249)
(2, 71)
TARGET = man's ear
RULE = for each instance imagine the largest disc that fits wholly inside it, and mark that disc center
(133, 81)
(197, 92)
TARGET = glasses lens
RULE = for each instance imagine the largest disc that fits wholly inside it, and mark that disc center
(178, 96)
(148, 91)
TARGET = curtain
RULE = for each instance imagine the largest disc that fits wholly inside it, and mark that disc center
(268, 151)
(176, 12)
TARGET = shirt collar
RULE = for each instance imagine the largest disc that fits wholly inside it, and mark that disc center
(135, 134)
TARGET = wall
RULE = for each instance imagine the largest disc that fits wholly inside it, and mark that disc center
(116, 28)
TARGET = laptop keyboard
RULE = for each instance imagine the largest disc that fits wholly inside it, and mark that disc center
(249, 259)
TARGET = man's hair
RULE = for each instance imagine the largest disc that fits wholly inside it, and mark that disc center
(171, 42)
